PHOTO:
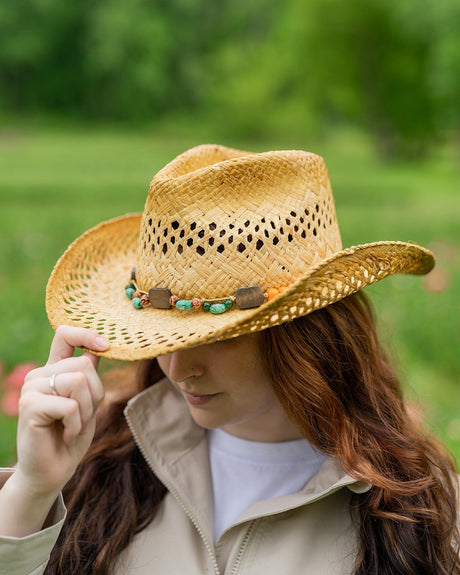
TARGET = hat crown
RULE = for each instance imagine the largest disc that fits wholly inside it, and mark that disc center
(217, 219)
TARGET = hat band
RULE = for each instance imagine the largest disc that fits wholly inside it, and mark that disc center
(162, 298)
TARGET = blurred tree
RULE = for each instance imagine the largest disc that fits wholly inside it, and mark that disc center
(444, 72)
(41, 46)
(243, 69)
(127, 62)
(376, 54)
(324, 61)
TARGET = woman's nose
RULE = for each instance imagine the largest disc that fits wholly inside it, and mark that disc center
(184, 365)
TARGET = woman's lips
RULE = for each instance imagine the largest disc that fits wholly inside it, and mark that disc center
(196, 399)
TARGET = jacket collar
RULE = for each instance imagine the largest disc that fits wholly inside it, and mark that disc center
(176, 449)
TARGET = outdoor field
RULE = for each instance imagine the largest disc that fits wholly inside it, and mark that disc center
(56, 183)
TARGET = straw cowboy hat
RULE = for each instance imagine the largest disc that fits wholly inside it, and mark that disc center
(229, 243)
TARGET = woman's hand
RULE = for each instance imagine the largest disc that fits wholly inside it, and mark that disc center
(54, 431)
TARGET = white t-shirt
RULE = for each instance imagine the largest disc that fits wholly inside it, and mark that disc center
(245, 472)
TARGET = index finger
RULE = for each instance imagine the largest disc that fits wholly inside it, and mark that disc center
(67, 338)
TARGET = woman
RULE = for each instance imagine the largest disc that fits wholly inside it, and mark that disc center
(278, 441)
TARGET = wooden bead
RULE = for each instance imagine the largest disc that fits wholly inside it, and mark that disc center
(159, 298)
(248, 297)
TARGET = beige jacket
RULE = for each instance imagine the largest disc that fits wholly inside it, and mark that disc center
(307, 533)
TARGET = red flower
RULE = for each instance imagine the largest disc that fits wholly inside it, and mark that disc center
(12, 384)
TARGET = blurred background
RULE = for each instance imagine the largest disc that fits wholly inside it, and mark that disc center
(95, 97)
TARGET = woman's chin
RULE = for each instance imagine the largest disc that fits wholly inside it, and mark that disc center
(206, 419)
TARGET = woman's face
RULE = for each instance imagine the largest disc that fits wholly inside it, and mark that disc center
(225, 386)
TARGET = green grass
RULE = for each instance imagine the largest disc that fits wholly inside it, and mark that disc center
(56, 183)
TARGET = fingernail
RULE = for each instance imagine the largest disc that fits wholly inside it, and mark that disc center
(101, 342)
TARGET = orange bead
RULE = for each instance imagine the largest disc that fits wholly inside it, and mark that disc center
(271, 293)
(145, 300)
(282, 288)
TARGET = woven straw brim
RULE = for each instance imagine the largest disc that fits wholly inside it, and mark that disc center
(86, 289)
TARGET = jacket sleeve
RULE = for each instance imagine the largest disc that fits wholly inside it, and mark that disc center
(29, 555)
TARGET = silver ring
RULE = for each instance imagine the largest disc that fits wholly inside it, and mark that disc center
(52, 384)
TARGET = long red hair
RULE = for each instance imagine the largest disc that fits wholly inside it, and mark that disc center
(343, 395)
(335, 383)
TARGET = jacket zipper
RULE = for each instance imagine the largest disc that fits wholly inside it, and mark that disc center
(252, 525)
(244, 544)
(179, 501)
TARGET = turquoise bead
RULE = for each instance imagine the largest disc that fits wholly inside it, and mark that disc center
(137, 302)
(206, 305)
(228, 303)
(129, 291)
(217, 308)
(184, 304)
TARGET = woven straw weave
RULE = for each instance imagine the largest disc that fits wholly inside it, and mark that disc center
(215, 220)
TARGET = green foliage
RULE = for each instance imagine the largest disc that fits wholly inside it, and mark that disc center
(325, 60)
(444, 73)
(129, 69)
(261, 67)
